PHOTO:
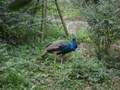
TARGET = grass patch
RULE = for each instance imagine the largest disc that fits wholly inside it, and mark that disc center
(20, 68)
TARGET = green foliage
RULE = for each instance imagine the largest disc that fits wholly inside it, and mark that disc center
(16, 27)
(81, 73)
(54, 31)
(21, 69)
(103, 19)
(17, 4)
(10, 78)
(3, 52)
(79, 3)
(84, 36)
(13, 79)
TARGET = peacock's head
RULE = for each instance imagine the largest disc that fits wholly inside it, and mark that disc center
(73, 37)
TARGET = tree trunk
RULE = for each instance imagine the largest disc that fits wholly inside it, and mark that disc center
(56, 3)
(43, 20)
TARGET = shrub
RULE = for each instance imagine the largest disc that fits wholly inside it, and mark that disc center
(104, 27)
(103, 19)
(82, 72)
(3, 53)
(16, 27)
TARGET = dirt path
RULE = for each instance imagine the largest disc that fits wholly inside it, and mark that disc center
(72, 26)
(75, 26)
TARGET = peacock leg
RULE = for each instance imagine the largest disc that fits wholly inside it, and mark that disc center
(61, 59)
(55, 59)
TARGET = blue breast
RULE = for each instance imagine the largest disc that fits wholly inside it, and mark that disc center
(71, 47)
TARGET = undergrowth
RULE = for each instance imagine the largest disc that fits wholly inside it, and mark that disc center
(20, 69)
(85, 74)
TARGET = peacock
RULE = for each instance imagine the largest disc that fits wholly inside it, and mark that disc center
(61, 47)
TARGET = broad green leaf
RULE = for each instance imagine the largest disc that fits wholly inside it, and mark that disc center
(17, 4)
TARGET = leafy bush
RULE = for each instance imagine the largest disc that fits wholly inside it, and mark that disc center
(12, 79)
(103, 19)
(84, 36)
(16, 27)
(81, 72)
(3, 53)
(104, 26)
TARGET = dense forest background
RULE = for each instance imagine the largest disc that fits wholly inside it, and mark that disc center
(26, 27)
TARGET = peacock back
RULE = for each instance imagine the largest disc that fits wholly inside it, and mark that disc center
(55, 46)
